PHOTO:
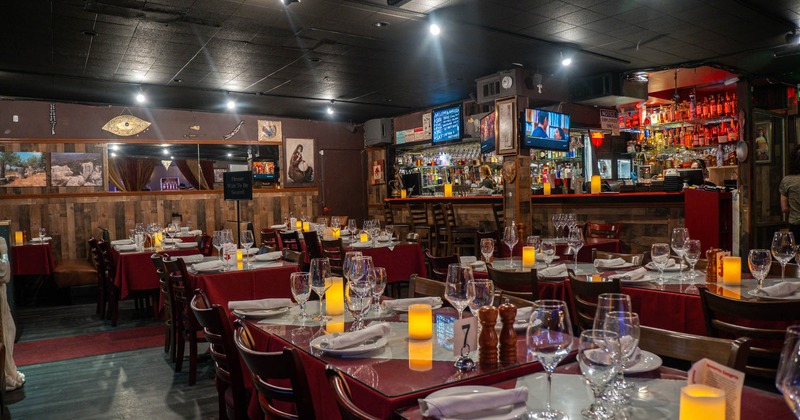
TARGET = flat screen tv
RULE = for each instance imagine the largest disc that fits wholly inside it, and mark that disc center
(692, 176)
(447, 124)
(265, 170)
(488, 133)
(546, 130)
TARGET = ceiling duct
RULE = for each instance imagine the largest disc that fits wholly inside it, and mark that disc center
(519, 82)
(607, 89)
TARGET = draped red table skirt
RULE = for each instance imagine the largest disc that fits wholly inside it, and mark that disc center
(135, 271)
(400, 263)
(32, 260)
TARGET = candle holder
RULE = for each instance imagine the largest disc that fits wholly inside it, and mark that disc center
(420, 322)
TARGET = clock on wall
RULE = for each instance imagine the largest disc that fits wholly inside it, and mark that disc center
(507, 82)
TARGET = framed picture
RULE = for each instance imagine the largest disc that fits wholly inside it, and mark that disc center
(507, 142)
(763, 142)
(170, 184)
(22, 169)
(76, 169)
(299, 162)
(218, 174)
(270, 131)
(377, 173)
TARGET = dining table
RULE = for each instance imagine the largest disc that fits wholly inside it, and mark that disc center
(401, 259)
(135, 270)
(562, 249)
(32, 259)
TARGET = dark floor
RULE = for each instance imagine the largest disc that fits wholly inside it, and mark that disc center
(139, 384)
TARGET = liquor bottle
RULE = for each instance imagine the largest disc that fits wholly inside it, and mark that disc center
(726, 106)
(692, 107)
(720, 106)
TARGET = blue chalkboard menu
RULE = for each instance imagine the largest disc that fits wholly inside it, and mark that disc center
(447, 124)
(238, 185)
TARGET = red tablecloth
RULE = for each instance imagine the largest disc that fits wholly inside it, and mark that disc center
(135, 271)
(584, 255)
(400, 263)
(272, 282)
(32, 259)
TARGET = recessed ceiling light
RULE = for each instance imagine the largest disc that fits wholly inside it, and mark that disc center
(177, 80)
(565, 59)
(231, 104)
(380, 24)
(230, 154)
(517, 64)
(165, 152)
(435, 29)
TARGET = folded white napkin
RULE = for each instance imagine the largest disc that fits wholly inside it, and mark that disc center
(195, 232)
(37, 239)
(384, 238)
(523, 314)
(185, 229)
(260, 304)
(171, 241)
(250, 251)
(405, 303)
(781, 289)
(269, 256)
(207, 266)
(478, 266)
(129, 247)
(554, 271)
(186, 245)
(350, 339)
(455, 405)
(194, 258)
(283, 226)
(121, 242)
(467, 259)
(609, 263)
(630, 275)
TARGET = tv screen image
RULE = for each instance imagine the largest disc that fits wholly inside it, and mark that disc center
(264, 171)
(447, 124)
(488, 133)
(546, 130)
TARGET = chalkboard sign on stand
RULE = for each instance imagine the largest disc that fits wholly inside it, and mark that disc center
(238, 186)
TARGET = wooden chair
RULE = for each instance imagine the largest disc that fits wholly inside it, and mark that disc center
(112, 292)
(269, 239)
(420, 225)
(462, 238)
(205, 245)
(296, 257)
(333, 250)
(758, 320)
(290, 240)
(443, 244)
(166, 298)
(388, 219)
(792, 270)
(186, 326)
(347, 409)
(512, 299)
(312, 244)
(421, 286)
(691, 348)
(603, 230)
(522, 284)
(635, 259)
(267, 367)
(438, 265)
(499, 217)
(99, 265)
(584, 298)
(229, 376)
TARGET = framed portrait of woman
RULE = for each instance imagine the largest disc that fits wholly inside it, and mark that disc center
(762, 143)
(506, 130)
(300, 163)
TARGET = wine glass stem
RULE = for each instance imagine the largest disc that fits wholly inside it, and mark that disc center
(783, 269)
(549, 390)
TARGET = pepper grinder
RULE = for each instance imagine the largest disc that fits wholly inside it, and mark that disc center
(508, 337)
(487, 342)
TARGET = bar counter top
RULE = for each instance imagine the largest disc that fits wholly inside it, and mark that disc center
(602, 198)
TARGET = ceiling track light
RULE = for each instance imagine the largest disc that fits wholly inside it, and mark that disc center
(565, 60)
(435, 29)
(140, 98)
(288, 2)
(330, 109)
(231, 104)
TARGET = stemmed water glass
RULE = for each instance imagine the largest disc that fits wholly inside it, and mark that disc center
(172, 230)
(626, 325)
(548, 252)
(484, 295)
(556, 218)
(510, 239)
(347, 263)
(459, 287)
(549, 338)
(787, 379)
(42, 234)
(321, 281)
(659, 252)
(361, 268)
(228, 249)
(678, 243)
(379, 280)
(575, 242)
(357, 302)
(352, 228)
(783, 249)
(598, 354)
(216, 240)
(247, 241)
(692, 253)
(534, 241)
(301, 290)
(487, 249)
(759, 262)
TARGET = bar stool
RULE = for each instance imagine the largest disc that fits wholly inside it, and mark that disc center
(420, 225)
(461, 237)
(388, 219)
(443, 243)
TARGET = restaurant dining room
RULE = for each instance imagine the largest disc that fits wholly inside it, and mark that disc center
(399, 209)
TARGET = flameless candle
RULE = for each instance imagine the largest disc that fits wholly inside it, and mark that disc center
(596, 184)
(299, 225)
(18, 237)
(702, 402)
(403, 193)
(336, 233)
(732, 270)
(596, 278)
(335, 325)
(364, 237)
(420, 322)
(420, 355)
(334, 298)
(240, 266)
(546, 188)
(306, 226)
(158, 238)
(448, 190)
(239, 255)
(528, 256)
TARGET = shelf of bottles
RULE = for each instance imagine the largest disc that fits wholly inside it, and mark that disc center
(458, 164)
(555, 165)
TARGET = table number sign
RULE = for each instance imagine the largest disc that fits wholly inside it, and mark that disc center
(465, 335)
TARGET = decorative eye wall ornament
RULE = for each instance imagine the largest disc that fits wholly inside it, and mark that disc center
(126, 125)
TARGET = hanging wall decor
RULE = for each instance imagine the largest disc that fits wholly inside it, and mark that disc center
(235, 130)
(270, 131)
(53, 119)
(126, 124)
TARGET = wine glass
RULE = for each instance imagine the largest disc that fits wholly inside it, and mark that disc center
(759, 261)
(548, 252)
(247, 241)
(484, 295)
(301, 291)
(783, 249)
(678, 243)
(360, 269)
(217, 242)
(598, 354)
(42, 234)
(228, 249)
(379, 280)
(321, 281)
(610, 302)
(787, 379)
(692, 254)
(172, 229)
(347, 263)
(389, 231)
(555, 219)
(357, 303)
(626, 325)
(549, 338)
(336, 222)
(534, 241)
(510, 239)
(487, 249)
(659, 252)
(575, 242)
(352, 227)
(459, 287)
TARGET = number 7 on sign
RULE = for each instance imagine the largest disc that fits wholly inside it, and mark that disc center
(465, 333)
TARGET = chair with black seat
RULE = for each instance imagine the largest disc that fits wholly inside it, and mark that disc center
(186, 325)
(290, 240)
(523, 284)
(420, 225)
(333, 250)
(205, 244)
(691, 348)
(99, 265)
(462, 238)
(229, 379)
(603, 230)
(401, 229)
(584, 298)
(296, 257)
(312, 244)
(268, 367)
(635, 259)
(438, 265)
(166, 298)
(347, 409)
(269, 239)
(112, 292)
(732, 318)
(442, 245)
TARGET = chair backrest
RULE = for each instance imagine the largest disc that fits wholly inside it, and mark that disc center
(98, 261)
(333, 250)
(514, 300)
(269, 238)
(205, 244)
(635, 259)
(388, 215)
(312, 244)
(418, 214)
(499, 216)
(584, 298)
(762, 321)
(109, 266)
(691, 348)
(523, 284)
(439, 265)
(603, 230)
(290, 240)
(439, 219)
(792, 270)
(267, 367)
(412, 237)
(450, 215)
(421, 286)
(341, 390)
(178, 287)
(296, 257)
(219, 334)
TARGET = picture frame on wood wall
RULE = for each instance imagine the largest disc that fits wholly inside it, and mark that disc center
(506, 127)
(763, 142)
(300, 160)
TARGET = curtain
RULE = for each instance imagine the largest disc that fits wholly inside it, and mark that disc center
(188, 168)
(207, 174)
(130, 174)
